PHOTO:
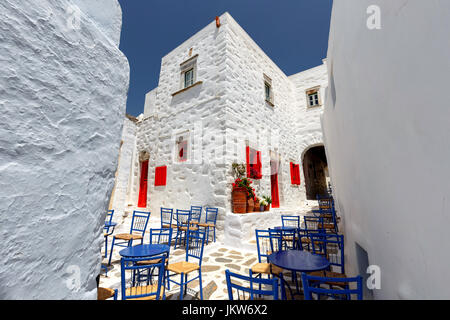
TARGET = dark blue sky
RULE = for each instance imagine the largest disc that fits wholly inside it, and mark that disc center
(293, 33)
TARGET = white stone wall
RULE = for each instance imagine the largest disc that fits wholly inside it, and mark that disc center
(387, 140)
(219, 115)
(63, 86)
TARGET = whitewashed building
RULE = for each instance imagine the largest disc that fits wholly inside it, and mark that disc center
(220, 96)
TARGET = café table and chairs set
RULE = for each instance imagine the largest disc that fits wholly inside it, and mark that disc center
(145, 267)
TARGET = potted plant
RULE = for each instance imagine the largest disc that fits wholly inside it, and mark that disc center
(256, 207)
(262, 204)
(239, 192)
(268, 201)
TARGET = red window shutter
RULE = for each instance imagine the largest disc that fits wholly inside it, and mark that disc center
(258, 165)
(160, 176)
(297, 173)
(142, 202)
(247, 156)
(292, 173)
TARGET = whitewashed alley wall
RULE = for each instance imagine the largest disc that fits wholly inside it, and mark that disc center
(63, 86)
(386, 127)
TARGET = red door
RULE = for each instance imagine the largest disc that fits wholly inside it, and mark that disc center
(274, 184)
(142, 202)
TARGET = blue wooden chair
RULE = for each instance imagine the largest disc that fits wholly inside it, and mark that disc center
(134, 288)
(290, 221)
(266, 243)
(196, 214)
(106, 293)
(167, 218)
(194, 250)
(331, 246)
(348, 288)
(210, 222)
(108, 229)
(137, 231)
(183, 218)
(267, 288)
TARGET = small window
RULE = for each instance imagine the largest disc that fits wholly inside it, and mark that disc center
(188, 72)
(254, 164)
(313, 97)
(181, 151)
(189, 78)
(268, 91)
(160, 176)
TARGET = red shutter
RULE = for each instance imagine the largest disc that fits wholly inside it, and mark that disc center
(258, 165)
(142, 202)
(297, 174)
(247, 156)
(160, 176)
(292, 173)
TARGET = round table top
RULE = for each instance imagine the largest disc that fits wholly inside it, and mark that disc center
(298, 260)
(144, 250)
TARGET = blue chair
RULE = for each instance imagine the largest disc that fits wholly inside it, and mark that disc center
(167, 218)
(346, 291)
(108, 229)
(210, 222)
(266, 243)
(150, 288)
(290, 221)
(196, 214)
(183, 218)
(249, 292)
(106, 293)
(194, 250)
(330, 246)
(137, 231)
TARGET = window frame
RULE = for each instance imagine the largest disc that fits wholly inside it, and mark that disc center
(268, 84)
(313, 93)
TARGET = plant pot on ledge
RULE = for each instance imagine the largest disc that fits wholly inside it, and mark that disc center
(239, 198)
(267, 208)
(250, 205)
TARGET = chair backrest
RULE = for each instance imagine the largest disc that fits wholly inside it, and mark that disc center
(166, 217)
(132, 288)
(139, 221)
(109, 217)
(267, 242)
(348, 289)
(290, 221)
(182, 217)
(195, 243)
(313, 224)
(211, 215)
(330, 246)
(325, 202)
(287, 238)
(196, 213)
(249, 288)
(161, 236)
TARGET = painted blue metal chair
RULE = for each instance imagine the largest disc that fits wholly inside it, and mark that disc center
(266, 243)
(290, 221)
(245, 288)
(210, 222)
(194, 251)
(134, 288)
(137, 231)
(330, 246)
(183, 218)
(347, 289)
(167, 218)
(106, 293)
(196, 214)
(108, 229)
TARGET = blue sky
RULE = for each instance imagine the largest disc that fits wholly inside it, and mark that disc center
(293, 33)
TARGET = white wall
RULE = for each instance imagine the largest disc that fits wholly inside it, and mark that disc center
(386, 127)
(62, 96)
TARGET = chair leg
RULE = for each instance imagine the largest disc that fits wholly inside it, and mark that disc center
(181, 286)
(111, 252)
(106, 246)
(168, 280)
(185, 283)
(214, 233)
(200, 281)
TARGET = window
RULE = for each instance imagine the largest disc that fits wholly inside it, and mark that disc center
(295, 173)
(313, 97)
(160, 176)
(189, 78)
(268, 92)
(188, 72)
(182, 151)
(182, 147)
(254, 165)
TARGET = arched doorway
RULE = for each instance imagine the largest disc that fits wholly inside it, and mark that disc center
(315, 170)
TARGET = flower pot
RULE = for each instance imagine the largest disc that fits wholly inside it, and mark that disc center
(261, 208)
(239, 198)
(267, 208)
(250, 205)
